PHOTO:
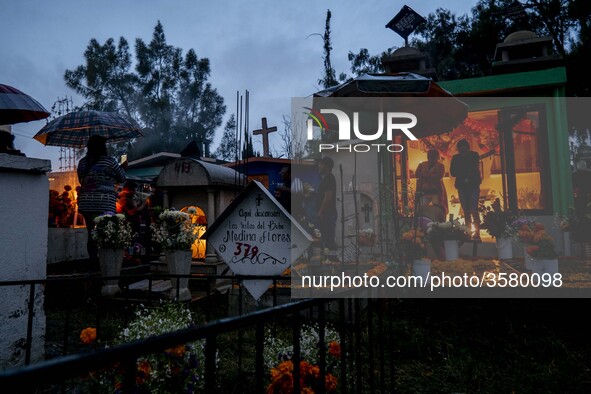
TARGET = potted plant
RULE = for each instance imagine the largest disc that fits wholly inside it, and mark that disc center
(112, 234)
(414, 248)
(522, 228)
(540, 246)
(497, 223)
(366, 237)
(567, 224)
(451, 233)
(176, 232)
(575, 226)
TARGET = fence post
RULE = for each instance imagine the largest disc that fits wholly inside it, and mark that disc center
(370, 345)
(344, 345)
(391, 346)
(129, 374)
(322, 347)
(259, 361)
(380, 347)
(296, 354)
(210, 350)
(357, 328)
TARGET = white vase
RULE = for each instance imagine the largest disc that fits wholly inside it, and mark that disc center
(179, 263)
(421, 268)
(536, 266)
(452, 249)
(542, 267)
(567, 245)
(504, 248)
(110, 261)
(550, 266)
(528, 259)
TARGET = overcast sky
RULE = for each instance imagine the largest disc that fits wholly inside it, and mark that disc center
(260, 45)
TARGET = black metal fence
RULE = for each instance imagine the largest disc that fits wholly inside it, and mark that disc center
(364, 327)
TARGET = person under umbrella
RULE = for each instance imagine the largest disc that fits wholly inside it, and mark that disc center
(97, 173)
(75, 128)
(7, 144)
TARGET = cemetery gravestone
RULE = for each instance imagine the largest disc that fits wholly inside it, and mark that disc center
(255, 235)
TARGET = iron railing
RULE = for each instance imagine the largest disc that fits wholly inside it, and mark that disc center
(357, 320)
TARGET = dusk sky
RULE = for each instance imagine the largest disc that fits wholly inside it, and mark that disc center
(262, 46)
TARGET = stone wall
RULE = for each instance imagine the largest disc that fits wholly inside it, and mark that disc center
(24, 204)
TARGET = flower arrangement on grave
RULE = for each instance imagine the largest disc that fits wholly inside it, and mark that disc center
(282, 379)
(539, 244)
(413, 244)
(577, 224)
(61, 207)
(175, 230)
(278, 353)
(112, 231)
(497, 221)
(178, 369)
(366, 237)
(447, 231)
(377, 269)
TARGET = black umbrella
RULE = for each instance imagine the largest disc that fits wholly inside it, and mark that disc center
(74, 129)
(18, 107)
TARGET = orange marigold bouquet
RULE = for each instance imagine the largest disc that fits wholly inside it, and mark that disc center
(539, 244)
(278, 353)
(413, 244)
(282, 379)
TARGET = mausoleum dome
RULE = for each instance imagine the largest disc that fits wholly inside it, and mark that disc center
(520, 35)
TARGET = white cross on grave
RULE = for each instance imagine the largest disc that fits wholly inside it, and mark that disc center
(255, 235)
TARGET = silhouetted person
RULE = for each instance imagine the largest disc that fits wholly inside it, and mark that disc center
(430, 187)
(289, 193)
(465, 166)
(7, 144)
(327, 204)
(98, 174)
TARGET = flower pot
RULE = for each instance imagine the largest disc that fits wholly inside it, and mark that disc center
(528, 259)
(452, 249)
(421, 268)
(179, 263)
(110, 261)
(550, 266)
(543, 266)
(567, 245)
(536, 266)
(504, 248)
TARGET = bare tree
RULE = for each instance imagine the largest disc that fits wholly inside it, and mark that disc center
(293, 143)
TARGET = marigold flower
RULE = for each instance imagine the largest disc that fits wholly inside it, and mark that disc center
(88, 335)
(334, 349)
(144, 369)
(177, 351)
(282, 378)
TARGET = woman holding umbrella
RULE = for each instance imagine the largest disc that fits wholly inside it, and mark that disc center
(98, 173)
